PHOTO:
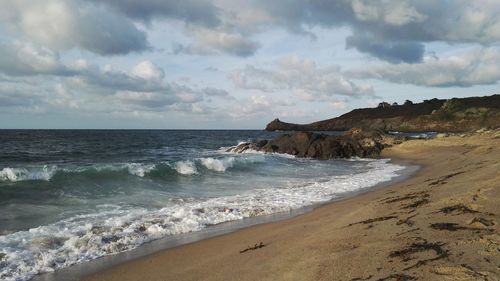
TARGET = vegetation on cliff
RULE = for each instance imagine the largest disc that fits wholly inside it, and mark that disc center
(453, 115)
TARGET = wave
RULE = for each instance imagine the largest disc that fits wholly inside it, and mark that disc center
(44, 172)
(113, 229)
(182, 167)
(186, 168)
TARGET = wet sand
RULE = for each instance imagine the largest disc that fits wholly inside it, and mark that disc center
(441, 224)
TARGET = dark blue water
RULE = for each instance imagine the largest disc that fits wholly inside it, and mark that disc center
(69, 196)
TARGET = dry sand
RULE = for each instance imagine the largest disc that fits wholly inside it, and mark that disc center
(441, 224)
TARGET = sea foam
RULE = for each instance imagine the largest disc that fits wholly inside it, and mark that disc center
(219, 165)
(186, 168)
(44, 173)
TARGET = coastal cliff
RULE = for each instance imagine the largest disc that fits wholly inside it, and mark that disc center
(440, 115)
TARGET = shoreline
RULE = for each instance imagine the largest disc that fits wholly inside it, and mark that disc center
(442, 223)
(81, 270)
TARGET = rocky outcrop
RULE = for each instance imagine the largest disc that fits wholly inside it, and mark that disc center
(277, 125)
(453, 115)
(354, 143)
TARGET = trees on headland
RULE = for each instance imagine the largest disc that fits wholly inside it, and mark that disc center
(386, 104)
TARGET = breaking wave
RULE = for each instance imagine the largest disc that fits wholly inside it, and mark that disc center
(182, 167)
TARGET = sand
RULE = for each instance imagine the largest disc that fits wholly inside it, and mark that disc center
(441, 224)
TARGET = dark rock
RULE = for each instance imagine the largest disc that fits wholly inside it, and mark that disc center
(354, 143)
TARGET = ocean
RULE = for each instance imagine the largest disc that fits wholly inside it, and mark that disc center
(71, 196)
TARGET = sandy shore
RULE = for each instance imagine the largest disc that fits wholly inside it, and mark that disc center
(442, 224)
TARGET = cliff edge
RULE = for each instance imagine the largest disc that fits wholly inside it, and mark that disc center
(440, 115)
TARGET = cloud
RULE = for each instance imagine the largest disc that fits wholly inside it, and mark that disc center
(192, 11)
(64, 25)
(214, 92)
(12, 97)
(211, 69)
(300, 76)
(257, 104)
(148, 71)
(391, 30)
(145, 100)
(216, 41)
(142, 77)
(396, 13)
(391, 51)
(37, 80)
(19, 59)
(479, 66)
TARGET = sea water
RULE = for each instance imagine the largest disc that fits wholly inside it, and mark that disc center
(70, 196)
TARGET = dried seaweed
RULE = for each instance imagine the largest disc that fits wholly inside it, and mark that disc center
(407, 221)
(420, 247)
(442, 180)
(454, 227)
(398, 277)
(362, 279)
(406, 254)
(368, 221)
(408, 196)
(416, 204)
(255, 247)
(459, 209)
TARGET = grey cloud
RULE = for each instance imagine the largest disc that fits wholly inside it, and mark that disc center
(116, 80)
(391, 51)
(24, 60)
(214, 92)
(143, 77)
(392, 30)
(211, 69)
(70, 24)
(474, 67)
(146, 100)
(399, 26)
(194, 108)
(10, 97)
(191, 11)
(108, 35)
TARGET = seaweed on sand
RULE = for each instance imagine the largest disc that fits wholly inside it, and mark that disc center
(458, 209)
(255, 247)
(442, 180)
(453, 227)
(368, 221)
(398, 277)
(406, 254)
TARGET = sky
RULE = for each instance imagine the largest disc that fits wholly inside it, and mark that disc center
(236, 64)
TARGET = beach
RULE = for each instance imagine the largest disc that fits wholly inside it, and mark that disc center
(440, 224)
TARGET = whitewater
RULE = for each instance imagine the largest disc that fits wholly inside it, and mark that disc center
(68, 197)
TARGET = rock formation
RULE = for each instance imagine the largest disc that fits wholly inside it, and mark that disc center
(354, 143)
